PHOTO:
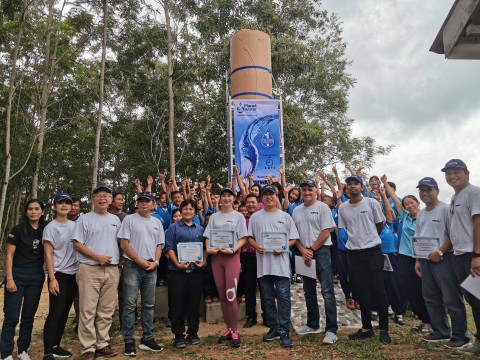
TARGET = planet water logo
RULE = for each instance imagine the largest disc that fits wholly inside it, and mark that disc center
(243, 108)
(267, 139)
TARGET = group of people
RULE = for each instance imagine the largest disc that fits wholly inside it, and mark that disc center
(246, 236)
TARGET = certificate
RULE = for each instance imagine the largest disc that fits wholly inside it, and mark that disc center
(422, 246)
(190, 251)
(274, 241)
(222, 239)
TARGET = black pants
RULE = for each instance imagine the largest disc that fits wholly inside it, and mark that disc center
(185, 292)
(209, 288)
(59, 307)
(366, 275)
(249, 277)
(411, 285)
(392, 279)
(343, 273)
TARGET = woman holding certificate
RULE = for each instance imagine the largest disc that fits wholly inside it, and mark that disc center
(184, 247)
(225, 235)
(410, 282)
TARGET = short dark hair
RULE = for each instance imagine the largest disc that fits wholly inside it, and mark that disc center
(392, 185)
(175, 193)
(412, 197)
(188, 202)
(115, 194)
(251, 196)
(75, 199)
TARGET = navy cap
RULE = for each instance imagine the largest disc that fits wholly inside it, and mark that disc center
(455, 163)
(355, 178)
(269, 188)
(146, 195)
(229, 189)
(102, 188)
(62, 196)
(427, 181)
(308, 182)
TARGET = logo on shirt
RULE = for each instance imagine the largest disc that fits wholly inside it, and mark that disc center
(155, 228)
(364, 212)
(314, 213)
(114, 225)
(435, 221)
(229, 221)
(280, 222)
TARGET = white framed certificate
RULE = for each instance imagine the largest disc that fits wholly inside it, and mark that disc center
(190, 251)
(422, 246)
(274, 241)
(222, 239)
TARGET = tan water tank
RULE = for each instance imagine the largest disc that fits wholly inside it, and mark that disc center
(251, 65)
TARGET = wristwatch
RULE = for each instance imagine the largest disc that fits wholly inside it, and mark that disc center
(439, 252)
(156, 262)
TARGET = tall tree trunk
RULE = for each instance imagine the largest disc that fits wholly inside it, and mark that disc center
(171, 128)
(13, 74)
(47, 78)
(101, 97)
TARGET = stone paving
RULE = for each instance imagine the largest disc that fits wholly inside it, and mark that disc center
(346, 318)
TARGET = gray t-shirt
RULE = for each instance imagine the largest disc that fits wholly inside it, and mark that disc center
(433, 223)
(311, 220)
(99, 234)
(463, 207)
(144, 235)
(278, 221)
(359, 219)
(233, 221)
(64, 257)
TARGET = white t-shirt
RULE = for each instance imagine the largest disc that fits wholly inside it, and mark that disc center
(463, 207)
(64, 257)
(359, 219)
(233, 221)
(99, 234)
(311, 220)
(433, 223)
(278, 221)
(143, 234)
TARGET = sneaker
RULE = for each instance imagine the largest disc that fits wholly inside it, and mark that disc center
(308, 330)
(299, 279)
(350, 304)
(193, 339)
(226, 336)
(271, 335)
(179, 342)
(398, 319)
(23, 356)
(89, 355)
(59, 352)
(330, 338)
(107, 351)
(472, 347)
(423, 328)
(384, 337)
(250, 322)
(360, 334)
(235, 342)
(45, 357)
(9, 357)
(150, 345)
(285, 341)
(455, 344)
(374, 316)
(130, 349)
(435, 338)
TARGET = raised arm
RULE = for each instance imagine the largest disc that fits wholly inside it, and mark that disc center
(138, 186)
(389, 213)
(390, 192)
(161, 178)
(149, 184)
(348, 166)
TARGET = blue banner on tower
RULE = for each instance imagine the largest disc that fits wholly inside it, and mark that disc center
(257, 138)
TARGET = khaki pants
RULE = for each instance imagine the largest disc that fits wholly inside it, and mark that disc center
(97, 288)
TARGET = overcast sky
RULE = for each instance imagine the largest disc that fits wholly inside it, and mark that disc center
(405, 95)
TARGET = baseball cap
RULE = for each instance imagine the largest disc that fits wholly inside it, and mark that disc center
(102, 188)
(355, 178)
(62, 196)
(269, 188)
(455, 163)
(308, 182)
(145, 195)
(427, 181)
(229, 189)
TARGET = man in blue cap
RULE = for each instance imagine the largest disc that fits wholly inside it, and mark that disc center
(464, 233)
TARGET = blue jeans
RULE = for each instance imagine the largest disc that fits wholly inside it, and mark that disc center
(443, 294)
(277, 315)
(324, 273)
(29, 282)
(137, 279)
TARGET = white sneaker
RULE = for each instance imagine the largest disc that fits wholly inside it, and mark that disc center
(472, 347)
(9, 357)
(23, 356)
(308, 330)
(330, 338)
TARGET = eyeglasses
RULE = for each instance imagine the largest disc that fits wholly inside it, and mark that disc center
(103, 196)
(35, 244)
(425, 190)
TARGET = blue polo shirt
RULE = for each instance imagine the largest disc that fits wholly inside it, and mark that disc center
(388, 237)
(408, 231)
(165, 216)
(180, 232)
